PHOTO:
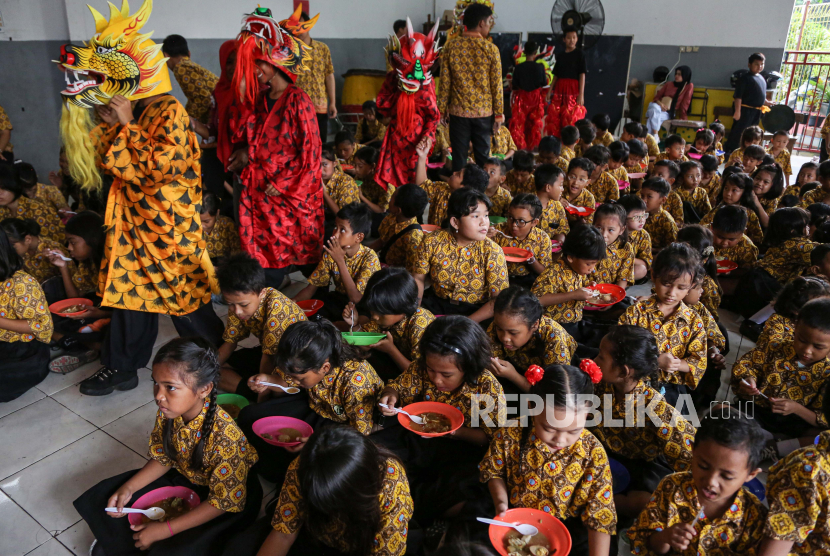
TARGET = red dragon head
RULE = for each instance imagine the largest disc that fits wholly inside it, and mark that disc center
(412, 56)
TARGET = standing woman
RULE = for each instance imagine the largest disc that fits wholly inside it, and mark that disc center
(680, 90)
(281, 206)
(567, 103)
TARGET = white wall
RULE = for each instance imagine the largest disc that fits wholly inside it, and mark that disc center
(34, 20)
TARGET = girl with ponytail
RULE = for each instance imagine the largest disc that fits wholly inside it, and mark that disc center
(194, 444)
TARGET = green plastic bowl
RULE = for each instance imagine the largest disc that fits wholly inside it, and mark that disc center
(233, 399)
(362, 338)
(497, 220)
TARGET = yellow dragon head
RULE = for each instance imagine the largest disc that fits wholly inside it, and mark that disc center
(118, 60)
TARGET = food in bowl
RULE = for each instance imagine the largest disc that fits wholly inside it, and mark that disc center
(602, 297)
(72, 309)
(231, 409)
(173, 507)
(528, 545)
(433, 423)
(287, 434)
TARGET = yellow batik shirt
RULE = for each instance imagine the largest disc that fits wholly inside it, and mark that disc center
(50, 196)
(571, 482)
(682, 334)
(197, 84)
(799, 503)
(783, 160)
(788, 260)
(663, 155)
(223, 239)
(350, 160)
(38, 266)
(674, 206)
(605, 139)
(817, 195)
(738, 531)
(604, 188)
(714, 337)
(85, 278)
(414, 385)
(375, 132)
(6, 124)
(550, 345)
(554, 220)
(514, 186)
(753, 224)
(793, 190)
(313, 82)
(376, 194)
(562, 162)
(559, 278)
(769, 205)
(672, 436)
(537, 242)
(342, 189)
(406, 334)
(661, 228)
(736, 158)
(404, 252)
(22, 299)
(395, 502)
(585, 199)
(779, 374)
(228, 456)
(268, 323)
(347, 394)
(713, 188)
(713, 150)
(641, 242)
(777, 330)
(711, 296)
(501, 202)
(568, 154)
(652, 146)
(474, 274)
(744, 253)
(501, 143)
(361, 266)
(617, 265)
(697, 197)
(51, 226)
(471, 80)
(620, 174)
(438, 193)
(442, 139)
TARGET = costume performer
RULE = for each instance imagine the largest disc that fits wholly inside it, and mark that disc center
(408, 97)
(155, 260)
(281, 207)
(567, 103)
(530, 81)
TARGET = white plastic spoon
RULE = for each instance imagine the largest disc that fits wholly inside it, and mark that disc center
(759, 392)
(153, 513)
(522, 528)
(700, 515)
(415, 419)
(288, 390)
(61, 255)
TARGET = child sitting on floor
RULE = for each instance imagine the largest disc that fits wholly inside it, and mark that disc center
(716, 344)
(720, 131)
(550, 152)
(14, 204)
(669, 171)
(637, 161)
(650, 142)
(602, 185)
(587, 134)
(34, 251)
(502, 145)
(752, 158)
(631, 130)
(499, 196)
(346, 148)
(576, 192)
(339, 189)
(439, 192)
(49, 195)
(675, 149)
(520, 178)
(732, 244)
(768, 185)
(820, 261)
(219, 232)
(779, 152)
(659, 225)
(639, 239)
(807, 174)
(570, 138)
(616, 163)
(707, 509)
(738, 191)
(695, 198)
(400, 234)
(753, 135)
(702, 240)
(371, 193)
(820, 194)
(602, 122)
(550, 184)
(704, 141)
(618, 265)
(346, 263)
(522, 231)
(779, 327)
(710, 179)
(369, 128)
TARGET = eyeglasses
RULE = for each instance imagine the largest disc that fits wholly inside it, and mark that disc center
(639, 218)
(519, 222)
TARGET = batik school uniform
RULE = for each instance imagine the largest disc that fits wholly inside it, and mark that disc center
(537, 242)
(799, 504)
(736, 158)
(707, 389)
(501, 143)
(38, 266)
(379, 196)
(620, 174)
(268, 323)
(617, 265)
(698, 198)
(406, 335)
(342, 189)
(738, 531)
(567, 154)
(562, 162)
(817, 195)
(744, 253)
(661, 228)
(573, 484)
(501, 202)
(714, 336)
(463, 278)
(682, 334)
(711, 296)
(779, 374)
(361, 266)
(649, 447)
(794, 190)
(674, 206)
(713, 188)
(225, 483)
(652, 146)
(640, 240)
(350, 161)
(770, 205)
(438, 193)
(554, 220)
(401, 241)
(753, 224)
(585, 199)
(50, 225)
(24, 357)
(346, 395)
(369, 131)
(605, 139)
(778, 330)
(604, 188)
(50, 196)
(223, 239)
(515, 187)
(559, 278)
(663, 155)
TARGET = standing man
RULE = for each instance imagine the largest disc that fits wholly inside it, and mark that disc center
(750, 97)
(319, 82)
(470, 92)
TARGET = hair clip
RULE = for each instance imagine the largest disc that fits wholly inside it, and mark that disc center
(591, 369)
(701, 129)
(534, 374)
(708, 251)
(451, 348)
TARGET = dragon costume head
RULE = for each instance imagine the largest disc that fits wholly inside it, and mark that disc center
(412, 57)
(117, 60)
(263, 38)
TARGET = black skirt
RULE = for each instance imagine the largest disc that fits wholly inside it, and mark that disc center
(757, 288)
(23, 365)
(116, 538)
(440, 306)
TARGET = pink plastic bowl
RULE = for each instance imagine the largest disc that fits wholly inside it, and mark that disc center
(154, 498)
(272, 426)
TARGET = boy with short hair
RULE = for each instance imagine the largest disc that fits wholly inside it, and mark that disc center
(520, 178)
(616, 163)
(668, 170)
(400, 234)
(602, 122)
(570, 138)
(675, 150)
(637, 161)
(753, 135)
(660, 225)
(730, 240)
(779, 152)
(576, 189)
(640, 239)
(631, 130)
(820, 194)
(499, 196)
(587, 134)
(439, 191)
(753, 157)
(550, 152)
(710, 178)
(345, 147)
(602, 186)
(254, 309)
(750, 96)
(550, 184)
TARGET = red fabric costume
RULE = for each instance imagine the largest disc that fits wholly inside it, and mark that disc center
(527, 111)
(408, 97)
(564, 109)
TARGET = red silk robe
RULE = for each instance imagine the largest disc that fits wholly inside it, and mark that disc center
(284, 150)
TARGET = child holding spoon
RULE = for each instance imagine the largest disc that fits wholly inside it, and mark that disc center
(522, 231)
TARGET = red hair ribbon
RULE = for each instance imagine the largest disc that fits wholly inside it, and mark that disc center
(701, 129)
(534, 374)
(592, 369)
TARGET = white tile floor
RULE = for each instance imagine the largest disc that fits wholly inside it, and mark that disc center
(56, 443)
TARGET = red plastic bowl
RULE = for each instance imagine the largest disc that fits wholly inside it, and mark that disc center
(516, 254)
(58, 305)
(154, 498)
(694, 156)
(455, 416)
(637, 175)
(622, 184)
(613, 289)
(555, 531)
(429, 228)
(580, 211)
(310, 306)
(347, 166)
(272, 426)
(725, 266)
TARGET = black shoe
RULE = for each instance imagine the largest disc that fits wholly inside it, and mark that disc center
(751, 329)
(106, 380)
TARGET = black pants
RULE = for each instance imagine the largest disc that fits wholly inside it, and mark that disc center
(749, 117)
(275, 276)
(323, 123)
(23, 365)
(213, 173)
(129, 343)
(462, 130)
